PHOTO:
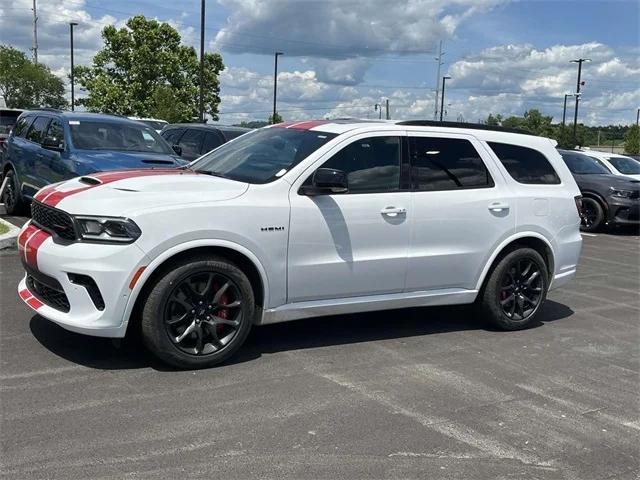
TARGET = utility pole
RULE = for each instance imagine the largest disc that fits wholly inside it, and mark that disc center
(275, 85)
(35, 33)
(71, 25)
(388, 116)
(440, 63)
(579, 61)
(444, 79)
(202, 7)
(638, 117)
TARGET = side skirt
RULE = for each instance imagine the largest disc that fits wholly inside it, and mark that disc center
(340, 306)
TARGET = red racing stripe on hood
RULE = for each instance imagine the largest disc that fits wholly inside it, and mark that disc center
(50, 196)
(308, 125)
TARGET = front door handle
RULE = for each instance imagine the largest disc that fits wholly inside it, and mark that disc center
(393, 211)
(498, 206)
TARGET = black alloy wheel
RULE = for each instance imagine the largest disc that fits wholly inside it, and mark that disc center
(592, 215)
(521, 289)
(202, 313)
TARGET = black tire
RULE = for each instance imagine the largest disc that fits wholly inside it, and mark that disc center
(494, 298)
(161, 331)
(593, 215)
(11, 197)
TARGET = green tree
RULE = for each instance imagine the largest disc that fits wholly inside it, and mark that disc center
(145, 70)
(253, 124)
(24, 84)
(632, 141)
(278, 118)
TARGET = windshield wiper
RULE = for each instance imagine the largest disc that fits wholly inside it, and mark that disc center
(213, 174)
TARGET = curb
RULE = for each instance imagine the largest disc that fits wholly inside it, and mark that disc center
(8, 240)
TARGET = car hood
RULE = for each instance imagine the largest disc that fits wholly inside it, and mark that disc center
(125, 192)
(105, 160)
(602, 182)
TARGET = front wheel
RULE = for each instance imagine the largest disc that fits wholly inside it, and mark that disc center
(11, 197)
(198, 312)
(515, 289)
(592, 215)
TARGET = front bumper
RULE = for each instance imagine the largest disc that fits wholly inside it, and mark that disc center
(111, 267)
(624, 212)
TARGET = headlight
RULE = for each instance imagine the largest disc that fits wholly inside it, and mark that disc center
(621, 193)
(107, 229)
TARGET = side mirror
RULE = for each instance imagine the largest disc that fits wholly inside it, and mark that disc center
(177, 149)
(326, 181)
(52, 143)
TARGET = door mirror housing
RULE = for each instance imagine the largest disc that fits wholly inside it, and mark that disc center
(52, 143)
(177, 149)
(326, 181)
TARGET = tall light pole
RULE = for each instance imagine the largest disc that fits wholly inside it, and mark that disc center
(73, 99)
(202, 61)
(579, 61)
(275, 84)
(638, 117)
(440, 63)
(35, 33)
(564, 109)
(378, 108)
(444, 79)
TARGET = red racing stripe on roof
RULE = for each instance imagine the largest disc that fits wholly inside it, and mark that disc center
(306, 125)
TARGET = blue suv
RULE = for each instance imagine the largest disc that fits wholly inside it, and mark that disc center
(48, 146)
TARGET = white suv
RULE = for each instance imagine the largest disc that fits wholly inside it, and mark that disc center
(301, 220)
(616, 164)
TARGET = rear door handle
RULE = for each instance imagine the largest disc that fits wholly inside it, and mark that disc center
(498, 206)
(393, 211)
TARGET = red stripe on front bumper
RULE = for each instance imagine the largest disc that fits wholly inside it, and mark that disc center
(24, 294)
(32, 245)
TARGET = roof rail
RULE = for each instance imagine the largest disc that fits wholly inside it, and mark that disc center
(472, 126)
(47, 109)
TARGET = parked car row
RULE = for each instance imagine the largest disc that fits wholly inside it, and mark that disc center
(41, 147)
(609, 196)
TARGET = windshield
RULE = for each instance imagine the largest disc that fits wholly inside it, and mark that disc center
(129, 137)
(628, 166)
(155, 124)
(262, 155)
(583, 165)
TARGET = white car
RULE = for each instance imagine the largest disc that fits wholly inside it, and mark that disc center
(617, 164)
(301, 220)
(154, 123)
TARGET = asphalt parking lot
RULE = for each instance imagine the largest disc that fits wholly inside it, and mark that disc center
(418, 393)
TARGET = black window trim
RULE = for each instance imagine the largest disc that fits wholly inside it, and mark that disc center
(30, 118)
(402, 162)
(413, 181)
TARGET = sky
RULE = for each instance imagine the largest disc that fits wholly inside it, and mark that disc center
(342, 57)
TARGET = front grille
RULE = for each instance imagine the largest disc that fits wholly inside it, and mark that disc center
(49, 296)
(54, 220)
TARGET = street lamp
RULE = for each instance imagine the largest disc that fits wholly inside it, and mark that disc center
(444, 79)
(564, 109)
(378, 108)
(579, 61)
(275, 85)
(71, 25)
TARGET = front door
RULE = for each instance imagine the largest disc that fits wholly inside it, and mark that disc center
(352, 244)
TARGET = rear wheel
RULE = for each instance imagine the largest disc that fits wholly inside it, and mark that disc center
(11, 196)
(515, 289)
(198, 313)
(592, 215)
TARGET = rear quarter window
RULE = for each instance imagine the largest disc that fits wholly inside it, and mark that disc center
(525, 165)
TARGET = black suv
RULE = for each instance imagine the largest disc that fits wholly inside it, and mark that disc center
(196, 139)
(606, 199)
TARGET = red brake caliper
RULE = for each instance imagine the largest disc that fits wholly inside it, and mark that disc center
(224, 300)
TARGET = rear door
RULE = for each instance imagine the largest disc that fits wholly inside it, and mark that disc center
(461, 210)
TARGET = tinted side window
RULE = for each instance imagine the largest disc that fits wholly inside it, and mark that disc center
(446, 164)
(371, 164)
(172, 136)
(211, 141)
(191, 142)
(22, 126)
(56, 132)
(525, 165)
(38, 129)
